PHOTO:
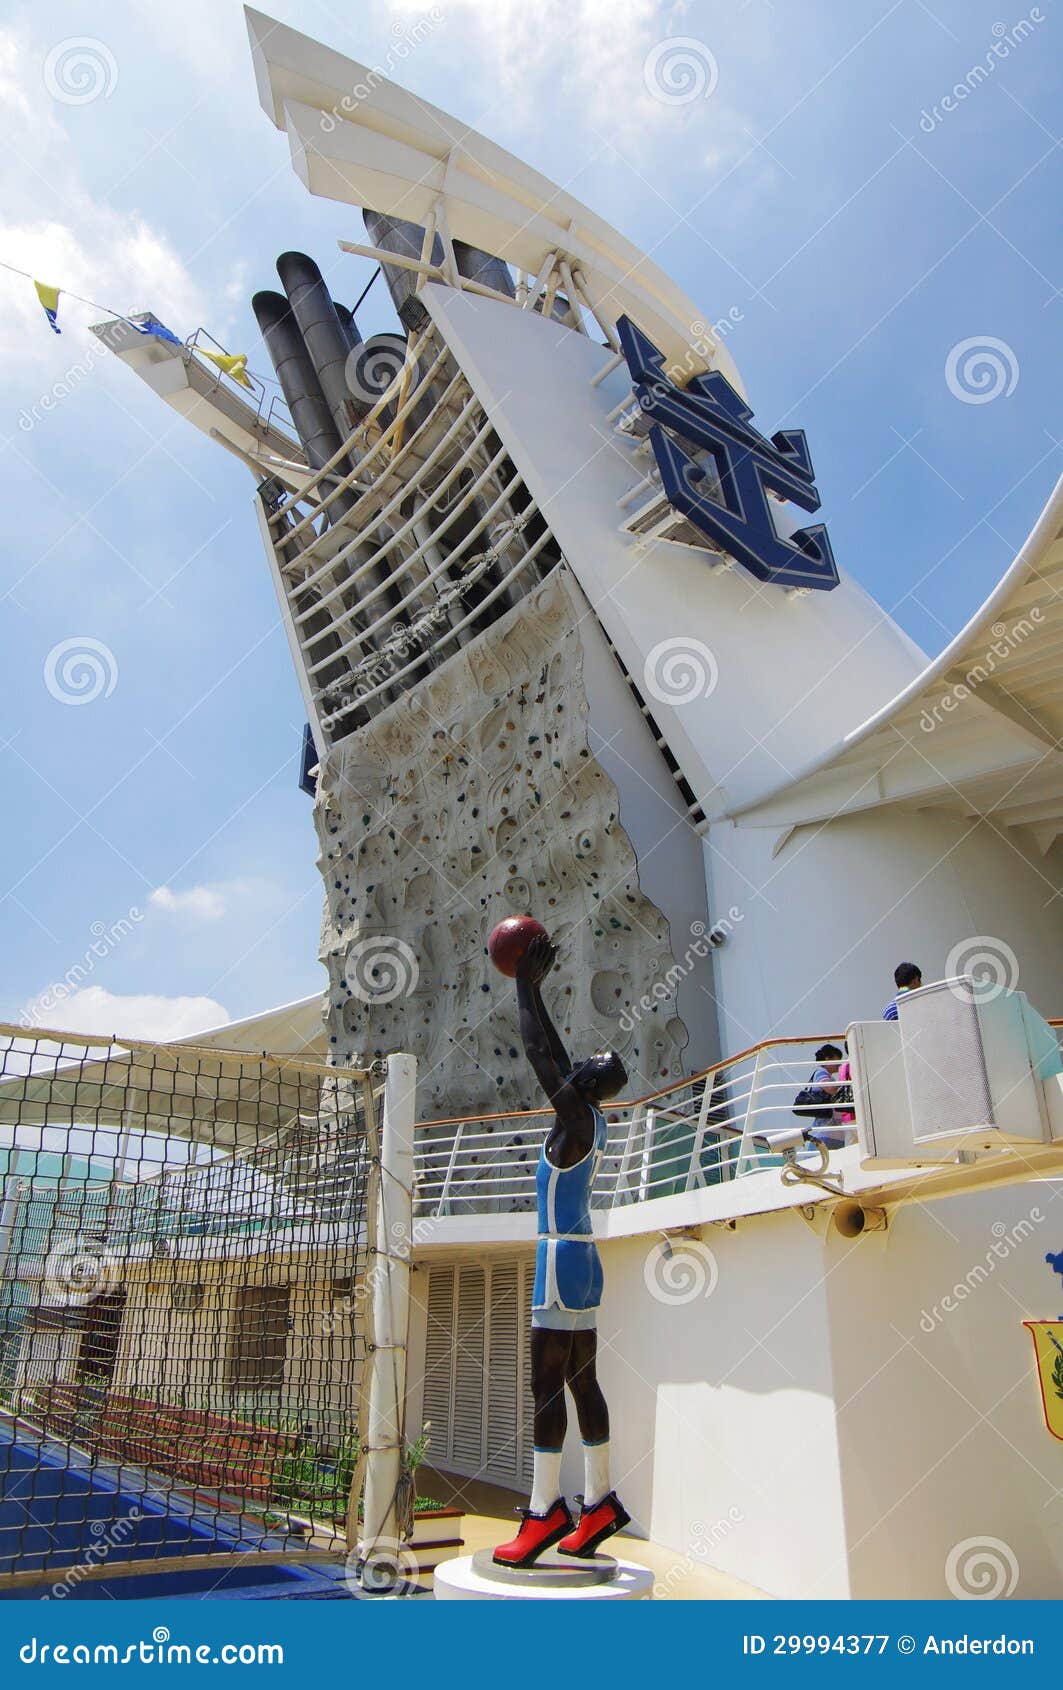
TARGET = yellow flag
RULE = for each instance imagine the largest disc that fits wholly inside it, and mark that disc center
(1048, 1344)
(234, 365)
(49, 298)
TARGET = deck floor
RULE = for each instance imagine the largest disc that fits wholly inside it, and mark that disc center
(489, 1519)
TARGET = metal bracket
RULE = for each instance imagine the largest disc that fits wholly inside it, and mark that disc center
(796, 1174)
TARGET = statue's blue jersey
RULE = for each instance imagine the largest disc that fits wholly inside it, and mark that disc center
(568, 1272)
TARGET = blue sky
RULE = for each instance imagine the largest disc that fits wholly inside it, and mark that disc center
(855, 229)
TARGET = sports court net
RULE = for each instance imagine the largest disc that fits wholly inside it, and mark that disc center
(183, 1324)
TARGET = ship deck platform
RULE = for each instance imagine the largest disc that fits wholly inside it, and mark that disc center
(489, 1519)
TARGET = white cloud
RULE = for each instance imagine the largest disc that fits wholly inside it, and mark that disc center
(211, 901)
(206, 903)
(593, 51)
(81, 242)
(595, 47)
(136, 1015)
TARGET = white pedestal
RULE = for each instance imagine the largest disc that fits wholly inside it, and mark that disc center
(460, 1581)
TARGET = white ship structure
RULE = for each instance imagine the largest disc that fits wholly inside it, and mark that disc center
(572, 639)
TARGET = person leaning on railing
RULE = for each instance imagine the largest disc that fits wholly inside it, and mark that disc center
(817, 1100)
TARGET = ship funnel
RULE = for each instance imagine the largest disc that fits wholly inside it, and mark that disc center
(348, 325)
(311, 414)
(479, 266)
(394, 234)
(324, 336)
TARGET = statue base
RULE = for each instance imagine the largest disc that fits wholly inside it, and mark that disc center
(477, 1578)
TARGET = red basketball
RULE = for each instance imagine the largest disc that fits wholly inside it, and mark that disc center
(510, 939)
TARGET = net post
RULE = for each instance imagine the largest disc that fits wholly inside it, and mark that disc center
(384, 1528)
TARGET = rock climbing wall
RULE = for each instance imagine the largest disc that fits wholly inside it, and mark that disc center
(474, 798)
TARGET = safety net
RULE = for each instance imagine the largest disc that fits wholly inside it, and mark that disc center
(183, 1317)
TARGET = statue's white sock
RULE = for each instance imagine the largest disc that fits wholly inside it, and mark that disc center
(595, 1473)
(546, 1479)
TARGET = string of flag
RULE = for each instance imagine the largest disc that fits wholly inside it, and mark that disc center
(234, 365)
(49, 298)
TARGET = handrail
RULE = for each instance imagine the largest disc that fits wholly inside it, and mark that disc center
(699, 1131)
(651, 1097)
(712, 1128)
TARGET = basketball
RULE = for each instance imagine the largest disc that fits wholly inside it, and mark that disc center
(510, 939)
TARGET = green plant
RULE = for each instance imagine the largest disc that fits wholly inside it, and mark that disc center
(415, 1451)
(317, 1480)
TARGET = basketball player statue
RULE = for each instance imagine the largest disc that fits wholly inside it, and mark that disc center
(568, 1284)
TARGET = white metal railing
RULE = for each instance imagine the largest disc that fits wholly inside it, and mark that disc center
(437, 535)
(271, 410)
(699, 1133)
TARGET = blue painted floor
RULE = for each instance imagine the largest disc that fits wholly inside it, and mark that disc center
(61, 1512)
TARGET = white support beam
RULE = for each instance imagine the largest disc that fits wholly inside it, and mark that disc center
(400, 259)
(383, 1528)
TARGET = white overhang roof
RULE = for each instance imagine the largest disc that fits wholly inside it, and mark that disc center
(979, 731)
(292, 1029)
(72, 1080)
(358, 138)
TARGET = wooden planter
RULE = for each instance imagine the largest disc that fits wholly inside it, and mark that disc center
(436, 1536)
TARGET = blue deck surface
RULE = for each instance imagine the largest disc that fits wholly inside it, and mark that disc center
(60, 1512)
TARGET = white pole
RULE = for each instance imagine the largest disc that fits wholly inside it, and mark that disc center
(382, 1526)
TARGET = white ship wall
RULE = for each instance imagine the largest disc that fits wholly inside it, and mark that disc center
(721, 1407)
(668, 849)
(800, 1427)
(775, 703)
(826, 920)
(941, 1433)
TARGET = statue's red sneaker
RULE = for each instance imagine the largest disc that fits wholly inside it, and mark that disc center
(538, 1533)
(595, 1525)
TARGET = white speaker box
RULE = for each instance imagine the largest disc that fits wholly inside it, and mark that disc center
(959, 1069)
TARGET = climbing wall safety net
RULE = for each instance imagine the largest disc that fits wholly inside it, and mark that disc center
(184, 1317)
